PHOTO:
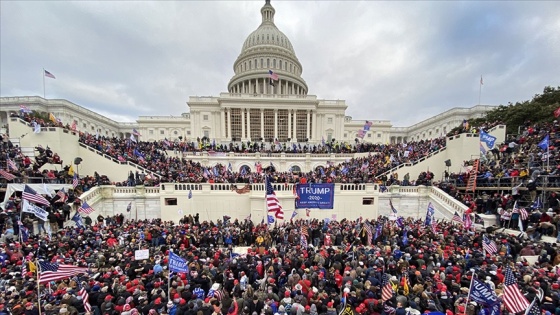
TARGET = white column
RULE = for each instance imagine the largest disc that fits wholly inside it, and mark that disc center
(222, 127)
(265, 87)
(248, 136)
(314, 131)
(229, 123)
(243, 136)
(290, 123)
(286, 87)
(307, 133)
(243, 87)
(295, 126)
(262, 123)
(275, 123)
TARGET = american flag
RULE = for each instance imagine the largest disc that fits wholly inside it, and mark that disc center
(24, 109)
(522, 211)
(6, 175)
(11, 164)
(514, 300)
(467, 222)
(52, 271)
(23, 267)
(489, 246)
(534, 309)
(31, 195)
(48, 74)
(272, 203)
(85, 208)
(369, 231)
(387, 290)
(273, 75)
(75, 181)
(74, 126)
(457, 218)
(62, 196)
(135, 132)
(304, 230)
(85, 298)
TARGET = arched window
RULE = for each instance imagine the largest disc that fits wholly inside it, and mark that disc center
(280, 64)
(273, 63)
(268, 63)
(250, 64)
(262, 63)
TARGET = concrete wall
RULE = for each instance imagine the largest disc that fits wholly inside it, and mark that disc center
(213, 201)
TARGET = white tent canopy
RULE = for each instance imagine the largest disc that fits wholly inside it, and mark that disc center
(43, 189)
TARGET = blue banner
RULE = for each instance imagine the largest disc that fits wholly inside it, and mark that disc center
(320, 196)
(488, 139)
(482, 293)
(177, 264)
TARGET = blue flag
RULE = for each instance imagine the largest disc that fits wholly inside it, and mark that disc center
(78, 219)
(294, 214)
(190, 194)
(481, 293)
(270, 219)
(405, 237)
(177, 264)
(544, 143)
(488, 139)
(400, 222)
(430, 214)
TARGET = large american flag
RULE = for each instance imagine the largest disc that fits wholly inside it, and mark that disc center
(489, 246)
(369, 231)
(85, 208)
(467, 222)
(514, 300)
(457, 218)
(387, 290)
(6, 175)
(272, 203)
(522, 212)
(62, 196)
(273, 75)
(53, 271)
(304, 230)
(31, 195)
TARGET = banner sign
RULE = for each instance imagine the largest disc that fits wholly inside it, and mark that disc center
(177, 264)
(320, 196)
(482, 293)
(37, 211)
(141, 254)
(488, 139)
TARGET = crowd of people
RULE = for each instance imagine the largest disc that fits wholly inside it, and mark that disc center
(337, 265)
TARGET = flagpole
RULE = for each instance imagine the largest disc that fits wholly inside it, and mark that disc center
(470, 287)
(38, 285)
(44, 83)
(480, 90)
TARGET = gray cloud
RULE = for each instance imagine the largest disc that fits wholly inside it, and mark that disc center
(402, 61)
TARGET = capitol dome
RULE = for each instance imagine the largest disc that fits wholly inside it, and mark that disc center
(267, 63)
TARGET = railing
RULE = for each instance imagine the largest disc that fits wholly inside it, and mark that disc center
(412, 163)
(443, 198)
(543, 182)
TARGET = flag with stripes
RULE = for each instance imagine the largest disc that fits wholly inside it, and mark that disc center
(489, 246)
(74, 125)
(85, 208)
(24, 109)
(75, 181)
(457, 218)
(53, 271)
(48, 74)
(136, 133)
(387, 290)
(85, 298)
(514, 300)
(478, 219)
(31, 195)
(23, 267)
(467, 221)
(272, 203)
(305, 230)
(6, 175)
(11, 165)
(369, 231)
(62, 196)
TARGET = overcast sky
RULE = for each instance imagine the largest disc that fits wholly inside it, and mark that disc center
(402, 61)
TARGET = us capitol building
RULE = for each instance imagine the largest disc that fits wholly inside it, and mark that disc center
(266, 100)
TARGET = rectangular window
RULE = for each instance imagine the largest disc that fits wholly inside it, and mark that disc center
(204, 117)
(329, 120)
(207, 134)
(255, 133)
(368, 201)
(301, 124)
(283, 125)
(84, 125)
(236, 123)
(170, 201)
(188, 132)
(269, 125)
(378, 135)
(369, 135)
(162, 132)
(345, 135)
(150, 132)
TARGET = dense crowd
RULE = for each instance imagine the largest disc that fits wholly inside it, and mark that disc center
(429, 268)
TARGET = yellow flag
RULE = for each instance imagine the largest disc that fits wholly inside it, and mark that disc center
(52, 118)
(71, 170)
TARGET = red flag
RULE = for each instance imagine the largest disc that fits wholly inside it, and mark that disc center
(557, 112)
